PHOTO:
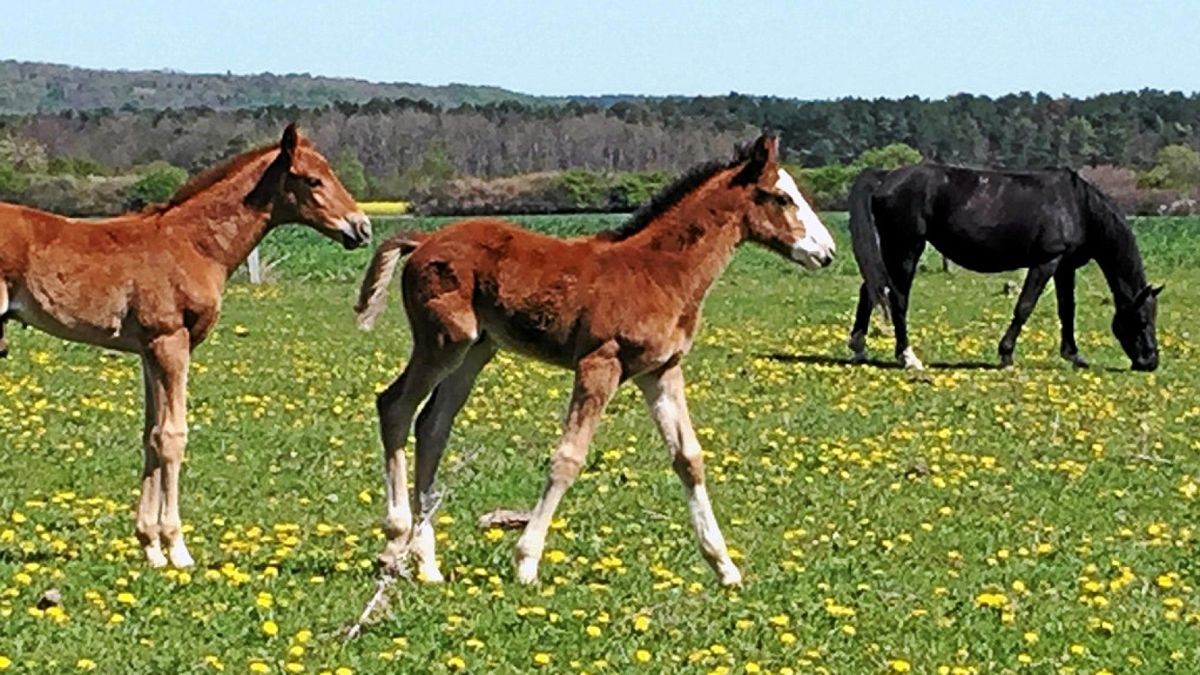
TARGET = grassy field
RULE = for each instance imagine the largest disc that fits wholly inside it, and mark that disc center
(966, 520)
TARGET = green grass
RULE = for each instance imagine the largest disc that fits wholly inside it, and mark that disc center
(877, 513)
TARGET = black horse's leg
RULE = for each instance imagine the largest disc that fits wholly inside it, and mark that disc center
(3, 342)
(901, 264)
(1035, 283)
(862, 321)
(1064, 290)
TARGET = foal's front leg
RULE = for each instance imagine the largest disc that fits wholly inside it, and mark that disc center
(169, 357)
(1035, 283)
(668, 406)
(596, 378)
(149, 504)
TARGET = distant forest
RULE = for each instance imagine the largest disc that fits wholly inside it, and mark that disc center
(400, 145)
(29, 87)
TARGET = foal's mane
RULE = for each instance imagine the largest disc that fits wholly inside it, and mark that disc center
(671, 195)
(213, 175)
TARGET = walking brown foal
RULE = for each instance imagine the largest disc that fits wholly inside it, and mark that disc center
(617, 306)
(150, 283)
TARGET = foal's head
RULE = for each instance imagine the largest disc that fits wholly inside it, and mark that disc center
(1133, 325)
(780, 217)
(300, 187)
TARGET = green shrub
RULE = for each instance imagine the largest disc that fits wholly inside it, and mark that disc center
(582, 190)
(157, 183)
(631, 190)
(352, 173)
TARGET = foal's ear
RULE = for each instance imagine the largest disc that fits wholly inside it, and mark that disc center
(763, 153)
(287, 144)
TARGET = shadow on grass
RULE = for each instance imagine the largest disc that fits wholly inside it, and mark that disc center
(825, 360)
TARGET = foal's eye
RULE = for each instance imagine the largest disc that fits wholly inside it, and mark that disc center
(313, 182)
(783, 200)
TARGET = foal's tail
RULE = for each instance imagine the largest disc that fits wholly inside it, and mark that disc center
(373, 293)
(865, 237)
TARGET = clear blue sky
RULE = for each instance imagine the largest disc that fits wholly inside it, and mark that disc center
(807, 50)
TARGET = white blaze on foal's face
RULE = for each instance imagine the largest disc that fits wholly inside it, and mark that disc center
(816, 249)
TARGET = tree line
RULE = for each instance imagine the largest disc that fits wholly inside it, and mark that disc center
(387, 149)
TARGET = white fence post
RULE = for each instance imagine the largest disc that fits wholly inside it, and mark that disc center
(254, 264)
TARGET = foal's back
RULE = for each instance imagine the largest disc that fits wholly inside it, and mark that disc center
(548, 297)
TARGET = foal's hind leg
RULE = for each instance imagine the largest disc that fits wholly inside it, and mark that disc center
(668, 406)
(397, 405)
(1064, 290)
(433, 432)
(596, 378)
(1035, 283)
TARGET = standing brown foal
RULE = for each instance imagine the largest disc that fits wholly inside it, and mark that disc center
(617, 306)
(150, 283)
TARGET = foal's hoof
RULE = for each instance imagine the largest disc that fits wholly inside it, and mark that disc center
(430, 574)
(730, 576)
(179, 555)
(155, 557)
(527, 570)
(3, 348)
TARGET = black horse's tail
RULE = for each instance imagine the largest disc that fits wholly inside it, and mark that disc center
(865, 238)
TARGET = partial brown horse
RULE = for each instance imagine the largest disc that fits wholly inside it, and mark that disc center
(150, 283)
(621, 305)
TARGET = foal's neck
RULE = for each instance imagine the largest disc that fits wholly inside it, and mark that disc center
(218, 222)
(692, 243)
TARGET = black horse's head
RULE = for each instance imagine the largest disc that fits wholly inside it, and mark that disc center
(1133, 325)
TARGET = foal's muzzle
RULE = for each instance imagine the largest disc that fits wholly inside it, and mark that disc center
(355, 229)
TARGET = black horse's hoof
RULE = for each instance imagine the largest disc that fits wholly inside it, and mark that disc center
(1006, 360)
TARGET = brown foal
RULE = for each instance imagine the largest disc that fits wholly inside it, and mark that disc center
(617, 306)
(150, 283)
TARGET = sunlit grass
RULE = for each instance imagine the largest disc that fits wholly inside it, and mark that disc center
(967, 520)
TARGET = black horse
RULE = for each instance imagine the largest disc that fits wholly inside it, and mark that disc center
(1050, 221)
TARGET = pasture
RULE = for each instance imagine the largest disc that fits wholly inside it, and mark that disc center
(966, 519)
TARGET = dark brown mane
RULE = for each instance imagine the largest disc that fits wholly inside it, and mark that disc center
(670, 195)
(211, 176)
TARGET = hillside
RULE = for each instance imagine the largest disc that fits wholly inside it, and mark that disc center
(43, 87)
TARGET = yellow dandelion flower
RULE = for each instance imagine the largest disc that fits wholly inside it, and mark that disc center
(270, 628)
(642, 656)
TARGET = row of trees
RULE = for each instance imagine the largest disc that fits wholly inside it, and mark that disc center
(401, 148)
